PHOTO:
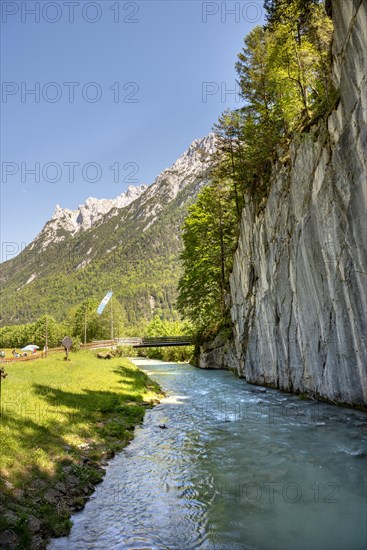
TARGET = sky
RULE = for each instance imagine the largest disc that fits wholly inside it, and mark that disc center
(97, 96)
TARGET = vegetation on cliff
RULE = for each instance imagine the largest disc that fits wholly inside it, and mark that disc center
(284, 73)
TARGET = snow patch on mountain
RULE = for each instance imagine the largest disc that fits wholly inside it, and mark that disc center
(83, 264)
(31, 278)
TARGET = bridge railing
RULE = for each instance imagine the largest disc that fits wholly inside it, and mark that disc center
(128, 341)
(99, 344)
(156, 341)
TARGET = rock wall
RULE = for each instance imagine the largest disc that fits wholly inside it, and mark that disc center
(219, 353)
(299, 283)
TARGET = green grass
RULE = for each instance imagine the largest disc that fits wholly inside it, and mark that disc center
(58, 421)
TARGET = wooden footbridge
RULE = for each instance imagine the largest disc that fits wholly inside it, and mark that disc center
(154, 342)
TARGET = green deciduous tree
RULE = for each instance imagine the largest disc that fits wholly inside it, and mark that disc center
(46, 326)
(161, 327)
(18, 336)
(230, 164)
(98, 326)
(300, 54)
(284, 77)
(209, 235)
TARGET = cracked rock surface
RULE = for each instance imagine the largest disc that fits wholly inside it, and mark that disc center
(299, 282)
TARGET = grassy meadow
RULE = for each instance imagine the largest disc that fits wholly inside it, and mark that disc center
(60, 422)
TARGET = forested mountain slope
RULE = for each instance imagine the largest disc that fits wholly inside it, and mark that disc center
(130, 244)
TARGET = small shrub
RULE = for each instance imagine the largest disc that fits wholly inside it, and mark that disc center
(179, 354)
(125, 351)
(76, 344)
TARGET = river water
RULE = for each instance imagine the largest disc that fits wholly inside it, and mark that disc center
(235, 468)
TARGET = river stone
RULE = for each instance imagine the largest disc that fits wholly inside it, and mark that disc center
(7, 539)
(51, 496)
(61, 488)
(71, 480)
(10, 517)
(34, 524)
(38, 484)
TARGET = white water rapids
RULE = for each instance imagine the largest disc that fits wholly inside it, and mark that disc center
(236, 468)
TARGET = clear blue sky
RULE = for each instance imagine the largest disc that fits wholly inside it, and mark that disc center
(171, 49)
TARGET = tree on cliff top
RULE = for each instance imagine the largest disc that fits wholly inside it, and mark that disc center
(284, 75)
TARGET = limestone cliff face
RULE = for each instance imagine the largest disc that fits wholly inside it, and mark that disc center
(299, 283)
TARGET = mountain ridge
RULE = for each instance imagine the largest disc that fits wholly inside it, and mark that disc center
(88, 213)
(71, 259)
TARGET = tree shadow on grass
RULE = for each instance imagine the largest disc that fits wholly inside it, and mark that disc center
(141, 379)
(88, 404)
(89, 407)
(27, 494)
(32, 436)
(39, 438)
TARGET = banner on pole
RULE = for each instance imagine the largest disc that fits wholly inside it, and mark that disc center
(104, 302)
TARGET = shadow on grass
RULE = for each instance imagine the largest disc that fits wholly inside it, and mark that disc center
(39, 439)
(140, 379)
(87, 405)
(28, 493)
(33, 436)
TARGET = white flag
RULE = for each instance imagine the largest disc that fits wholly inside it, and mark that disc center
(104, 302)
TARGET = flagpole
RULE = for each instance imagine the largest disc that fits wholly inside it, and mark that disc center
(85, 325)
(102, 306)
(111, 320)
(46, 345)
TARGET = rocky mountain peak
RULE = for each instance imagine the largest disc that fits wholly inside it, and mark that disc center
(192, 164)
(199, 151)
(190, 169)
(89, 213)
